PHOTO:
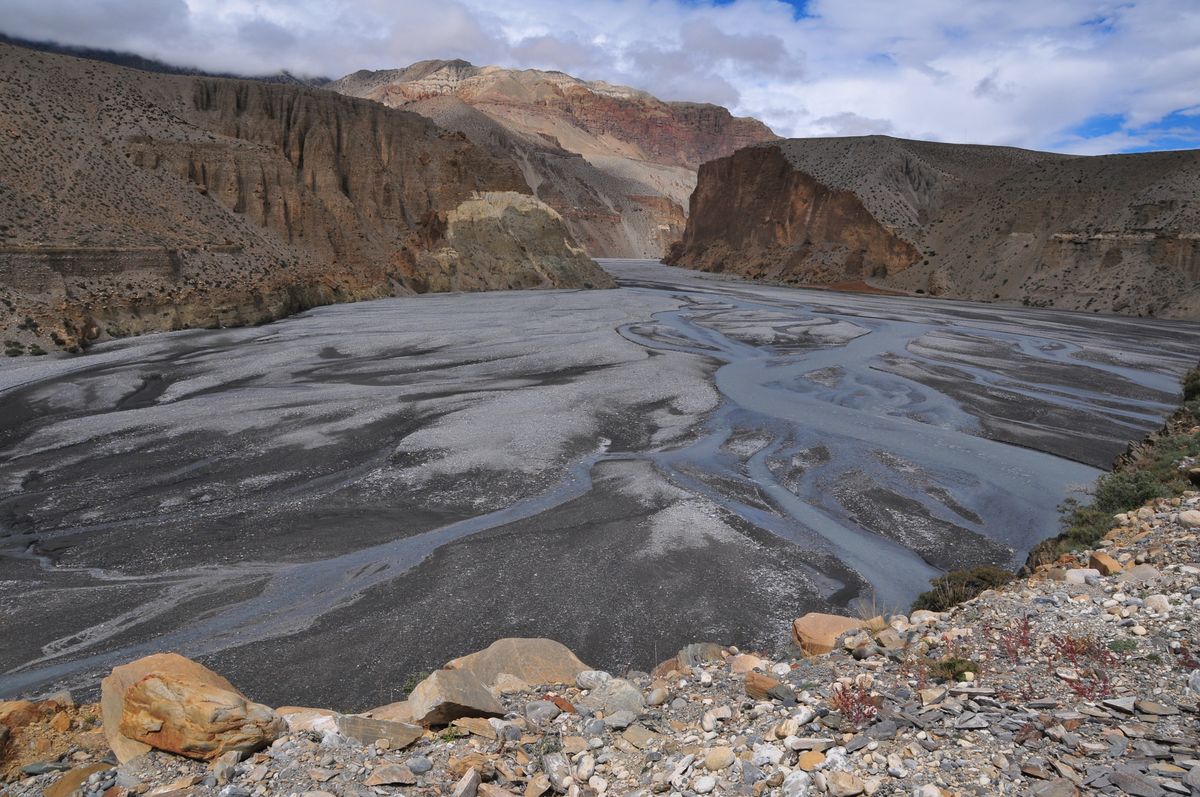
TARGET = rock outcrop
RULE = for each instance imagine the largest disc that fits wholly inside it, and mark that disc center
(134, 202)
(1112, 233)
(616, 163)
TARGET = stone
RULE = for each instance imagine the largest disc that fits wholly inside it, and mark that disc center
(759, 685)
(1135, 785)
(925, 617)
(395, 712)
(810, 760)
(558, 770)
(639, 736)
(704, 784)
(1157, 709)
(816, 633)
(468, 785)
(797, 784)
(365, 730)
(1059, 787)
(1080, 575)
(718, 758)
(744, 662)
(1139, 574)
(658, 695)
(613, 696)
(447, 695)
(540, 713)
(1123, 704)
(619, 719)
(1160, 604)
(1190, 517)
(114, 686)
(475, 725)
(532, 660)
(300, 719)
(194, 718)
(392, 775)
(538, 785)
(843, 784)
(1105, 564)
(71, 780)
(17, 713)
(931, 695)
(592, 679)
(698, 653)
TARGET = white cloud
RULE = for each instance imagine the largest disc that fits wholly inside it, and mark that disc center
(1018, 72)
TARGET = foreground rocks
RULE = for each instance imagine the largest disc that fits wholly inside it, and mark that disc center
(1073, 681)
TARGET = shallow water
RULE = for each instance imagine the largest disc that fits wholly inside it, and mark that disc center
(393, 483)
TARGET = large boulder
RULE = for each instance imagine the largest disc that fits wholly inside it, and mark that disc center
(613, 696)
(447, 695)
(168, 702)
(532, 660)
(817, 633)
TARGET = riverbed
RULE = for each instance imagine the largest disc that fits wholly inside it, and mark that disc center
(321, 507)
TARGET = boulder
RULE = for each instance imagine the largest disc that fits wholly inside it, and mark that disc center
(817, 633)
(17, 713)
(1190, 517)
(365, 730)
(531, 660)
(114, 687)
(447, 695)
(195, 718)
(71, 781)
(1101, 561)
(613, 696)
(393, 712)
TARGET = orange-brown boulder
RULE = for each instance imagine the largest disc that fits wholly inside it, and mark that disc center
(17, 713)
(1104, 563)
(816, 633)
(172, 703)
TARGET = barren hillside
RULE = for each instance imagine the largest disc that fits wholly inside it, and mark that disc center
(617, 163)
(1113, 233)
(132, 201)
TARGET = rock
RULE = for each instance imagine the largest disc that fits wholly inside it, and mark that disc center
(1190, 517)
(468, 785)
(538, 785)
(1157, 709)
(926, 617)
(817, 633)
(931, 695)
(392, 775)
(744, 662)
(613, 696)
(1139, 574)
(365, 730)
(1080, 575)
(797, 784)
(532, 660)
(1157, 603)
(658, 695)
(509, 685)
(558, 770)
(639, 736)
(300, 719)
(540, 713)
(1135, 785)
(394, 712)
(759, 685)
(843, 784)
(17, 713)
(810, 760)
(592, 679)
(73, 779)
(1125, 705)
(447, 695)
(1105, 564)
(704, 784)
(619, 719)
(698, 653)
(718, 758)
(181, 707)
(419, 764)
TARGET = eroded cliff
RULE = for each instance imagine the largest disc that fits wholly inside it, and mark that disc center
(616, 163)
(133, 202)
(1113, 233)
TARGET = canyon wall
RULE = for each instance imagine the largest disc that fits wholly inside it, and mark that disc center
(1112, 233)
(618, 164)
(133, 202)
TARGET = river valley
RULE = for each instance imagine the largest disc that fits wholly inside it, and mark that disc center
(371, 489)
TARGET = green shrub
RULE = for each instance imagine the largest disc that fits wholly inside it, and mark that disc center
(952, 668)
(957, 586)
(1191, 385)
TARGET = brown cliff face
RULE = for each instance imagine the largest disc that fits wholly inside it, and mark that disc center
(1113, 233)
(753, 214)
(616, 163)
(134, 202)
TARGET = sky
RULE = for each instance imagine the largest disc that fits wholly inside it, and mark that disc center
(1062, 75)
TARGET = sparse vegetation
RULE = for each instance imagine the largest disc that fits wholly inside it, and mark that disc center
(960, 585)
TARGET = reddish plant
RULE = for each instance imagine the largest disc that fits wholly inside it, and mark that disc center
(1185, 658)
(1093, 684)
(855, 704)
(1083, 650)
(1017, 639)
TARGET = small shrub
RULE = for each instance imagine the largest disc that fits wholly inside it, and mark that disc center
(957, 586)
(1123, 645)
(1017, 640)
(1191, 385)
(855, 704)
(952, 668)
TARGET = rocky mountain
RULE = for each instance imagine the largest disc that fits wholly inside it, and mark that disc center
(1111, 233)
(616, 163)
(132, 201)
